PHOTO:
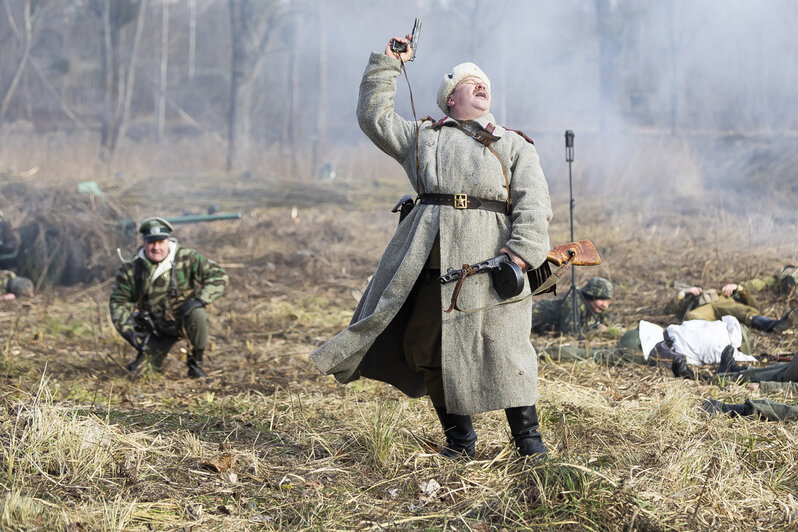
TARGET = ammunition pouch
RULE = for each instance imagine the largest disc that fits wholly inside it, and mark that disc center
(538, 276)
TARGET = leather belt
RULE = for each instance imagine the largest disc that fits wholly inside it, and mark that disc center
(464, 201)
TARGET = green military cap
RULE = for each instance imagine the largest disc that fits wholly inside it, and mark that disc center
(598, 288)
(155, 229)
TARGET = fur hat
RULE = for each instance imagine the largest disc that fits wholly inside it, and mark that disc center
(450, 81)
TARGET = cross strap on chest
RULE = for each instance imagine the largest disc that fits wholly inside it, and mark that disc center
(484, 138)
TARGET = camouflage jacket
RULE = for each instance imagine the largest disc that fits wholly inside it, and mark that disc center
(5, 276)
(194, 276)
(556, 315)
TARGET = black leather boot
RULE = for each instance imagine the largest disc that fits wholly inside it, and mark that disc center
(460, 436)
(524, 426)
(772, 324)
(713, 406)
(194, 363)
(727, 363)
(681, 369)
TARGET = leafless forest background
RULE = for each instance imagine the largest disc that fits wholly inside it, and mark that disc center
(106, 88)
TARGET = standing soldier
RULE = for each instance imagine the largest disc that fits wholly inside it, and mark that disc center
(558, 314)
(160, 296)
(481, 193)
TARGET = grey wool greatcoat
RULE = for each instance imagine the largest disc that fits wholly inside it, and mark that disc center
(488, 362)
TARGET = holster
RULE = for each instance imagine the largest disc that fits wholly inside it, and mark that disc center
(404, 207)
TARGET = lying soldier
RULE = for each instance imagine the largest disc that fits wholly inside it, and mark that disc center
(695, 303)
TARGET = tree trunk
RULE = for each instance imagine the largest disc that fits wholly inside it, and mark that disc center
(115, 116)
(161, 116)
(26, 37)
(131, 76)
(608, 60)
(192, 37)
(238, 121)
(108, 74)
(321, 112)
(250, 29)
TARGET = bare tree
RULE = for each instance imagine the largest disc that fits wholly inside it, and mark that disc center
(320, 133)
(251, 26)
(161, 108)
(25, 36)
(609, 35)
(119, 77)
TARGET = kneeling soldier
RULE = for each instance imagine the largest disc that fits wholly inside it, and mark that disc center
(159, 296)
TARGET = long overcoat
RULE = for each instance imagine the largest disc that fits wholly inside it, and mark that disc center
(487, 360)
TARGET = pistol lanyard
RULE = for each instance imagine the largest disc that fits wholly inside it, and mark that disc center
(416, 123)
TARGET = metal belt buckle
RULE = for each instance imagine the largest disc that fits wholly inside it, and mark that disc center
(461, 201)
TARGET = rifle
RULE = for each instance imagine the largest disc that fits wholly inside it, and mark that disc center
(144, 325)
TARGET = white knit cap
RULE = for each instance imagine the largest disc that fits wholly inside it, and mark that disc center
(450, 81)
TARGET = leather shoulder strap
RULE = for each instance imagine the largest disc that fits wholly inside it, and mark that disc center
(523, 135)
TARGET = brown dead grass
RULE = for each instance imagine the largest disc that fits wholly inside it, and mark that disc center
(629, 449)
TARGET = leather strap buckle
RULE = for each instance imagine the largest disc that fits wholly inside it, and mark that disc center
(461, 201)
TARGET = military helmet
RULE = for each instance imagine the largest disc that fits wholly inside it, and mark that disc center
(597, 288)
(20, 287)
(631, 340)
(155, 229)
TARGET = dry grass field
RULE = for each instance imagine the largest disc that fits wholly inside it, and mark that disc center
(269, 444)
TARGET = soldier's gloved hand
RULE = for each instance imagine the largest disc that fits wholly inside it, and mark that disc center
(187, 306)
(133, 337)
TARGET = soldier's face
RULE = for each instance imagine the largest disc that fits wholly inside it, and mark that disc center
(470, 99)
(597, 306)
(156, 250)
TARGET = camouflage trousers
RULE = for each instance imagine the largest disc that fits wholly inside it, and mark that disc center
(193, 328)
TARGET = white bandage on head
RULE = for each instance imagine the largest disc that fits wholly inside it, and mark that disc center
(450, 81)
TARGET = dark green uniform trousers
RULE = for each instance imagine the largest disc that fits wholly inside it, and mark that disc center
(193, 328)
(779, 372)
(422, 337)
